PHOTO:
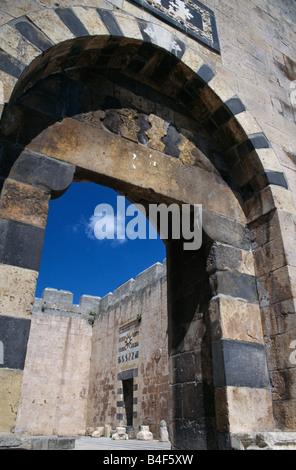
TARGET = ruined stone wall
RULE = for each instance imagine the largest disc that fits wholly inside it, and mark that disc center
(77, 358)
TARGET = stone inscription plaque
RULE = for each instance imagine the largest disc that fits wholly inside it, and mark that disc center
(128, 349)
(190, 16)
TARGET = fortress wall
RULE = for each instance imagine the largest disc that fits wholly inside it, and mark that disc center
(55, 383)
(65, 354)
(137, 309)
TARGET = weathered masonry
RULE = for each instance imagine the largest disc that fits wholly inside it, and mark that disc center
(176, 101)
(106, 359)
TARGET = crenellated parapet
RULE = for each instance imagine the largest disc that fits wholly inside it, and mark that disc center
(62, 300)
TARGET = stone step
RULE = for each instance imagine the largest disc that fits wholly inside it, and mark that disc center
(26, 442)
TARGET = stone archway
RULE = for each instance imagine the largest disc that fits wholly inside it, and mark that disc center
(48, 128)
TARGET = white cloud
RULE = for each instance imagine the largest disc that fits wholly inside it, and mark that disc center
(89, 227)
(104, 225)
(106, 228)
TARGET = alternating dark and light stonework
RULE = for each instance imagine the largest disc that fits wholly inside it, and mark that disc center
(117, 94)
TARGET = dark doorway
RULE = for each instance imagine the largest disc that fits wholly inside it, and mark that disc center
(127, 386)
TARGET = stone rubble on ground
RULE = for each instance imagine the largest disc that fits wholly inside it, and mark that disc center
(120, 434)
(163, 432)
(144, 434)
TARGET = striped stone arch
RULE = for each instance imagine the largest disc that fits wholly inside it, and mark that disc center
(31, 59)
(42, 142)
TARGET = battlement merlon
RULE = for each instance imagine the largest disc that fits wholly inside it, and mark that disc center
(130, 288)
(62, 301)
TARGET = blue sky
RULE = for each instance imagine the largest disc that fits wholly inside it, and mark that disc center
(74, 259)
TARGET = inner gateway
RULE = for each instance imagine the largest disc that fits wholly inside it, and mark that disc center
(128, 400)
(156, 122)
(108, 128)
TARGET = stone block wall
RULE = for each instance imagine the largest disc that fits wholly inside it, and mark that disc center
(77, 358)
(243, 98)
(55, 382)
(256, 42)
(130, 343)
(258, 61)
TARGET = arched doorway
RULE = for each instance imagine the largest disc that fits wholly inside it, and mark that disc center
(138, 120)
(96, 365)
